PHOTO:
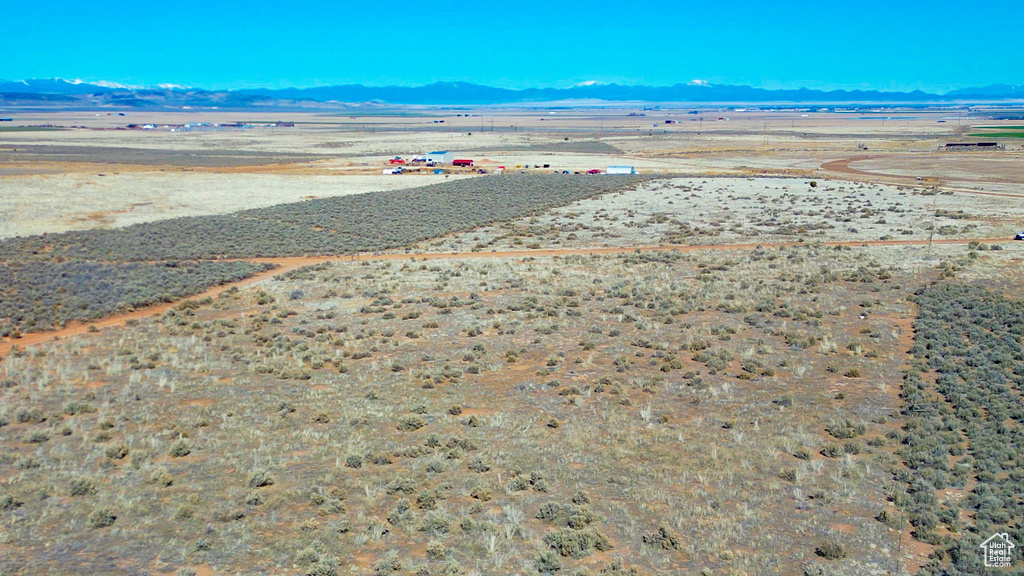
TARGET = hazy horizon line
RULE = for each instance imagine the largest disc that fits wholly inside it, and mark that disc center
(770, 86)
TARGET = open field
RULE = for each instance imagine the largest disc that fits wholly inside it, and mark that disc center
(7, 129)
(999, 135)
(278, 266)
(109, 197)
(332, 226)
(146, 156)
(944, 167)
(723, 210)
(673, 212)
(792, 346)
(456, 406)
(998, 131)
(121, 177)
(544, 382)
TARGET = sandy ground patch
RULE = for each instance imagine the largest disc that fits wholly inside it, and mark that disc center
(57, 203)
(730, 210)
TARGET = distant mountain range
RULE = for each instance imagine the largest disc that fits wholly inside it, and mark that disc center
(465, 93)
(57, 92)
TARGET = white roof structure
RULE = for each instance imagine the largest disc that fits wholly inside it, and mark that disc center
(621, 170)
(440, 156)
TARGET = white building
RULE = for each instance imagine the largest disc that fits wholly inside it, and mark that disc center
(440, 156)
(621, 170)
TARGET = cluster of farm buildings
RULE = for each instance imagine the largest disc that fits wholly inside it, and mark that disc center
(438, 159)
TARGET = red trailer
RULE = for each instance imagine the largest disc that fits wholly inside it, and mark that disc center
(462, 163)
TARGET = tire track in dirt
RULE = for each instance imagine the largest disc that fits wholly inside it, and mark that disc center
(75, 328)
(288, 264)
(843, 167)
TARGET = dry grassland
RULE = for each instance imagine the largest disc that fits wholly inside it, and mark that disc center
(714, 412)
(672, 412)
(724, 210)
(38, 204)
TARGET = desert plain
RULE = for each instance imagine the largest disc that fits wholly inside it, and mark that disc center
(790, 345)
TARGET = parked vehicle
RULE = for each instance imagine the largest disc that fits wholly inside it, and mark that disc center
(1019, 236)
(593, 171)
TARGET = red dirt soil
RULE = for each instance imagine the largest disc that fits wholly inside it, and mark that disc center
(292, 263)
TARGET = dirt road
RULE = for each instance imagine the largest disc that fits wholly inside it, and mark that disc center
(843, 167)
(288, 264)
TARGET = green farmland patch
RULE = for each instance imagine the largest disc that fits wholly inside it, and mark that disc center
(997, 134)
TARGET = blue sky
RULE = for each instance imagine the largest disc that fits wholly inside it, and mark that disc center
(892, 45)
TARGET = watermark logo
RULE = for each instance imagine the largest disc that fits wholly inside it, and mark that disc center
(998, 550)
